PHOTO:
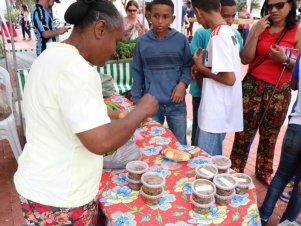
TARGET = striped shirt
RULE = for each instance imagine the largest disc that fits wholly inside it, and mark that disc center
(42, 21)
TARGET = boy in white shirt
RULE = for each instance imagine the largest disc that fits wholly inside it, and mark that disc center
(221, 103)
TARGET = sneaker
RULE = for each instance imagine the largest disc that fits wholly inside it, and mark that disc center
(285, 196)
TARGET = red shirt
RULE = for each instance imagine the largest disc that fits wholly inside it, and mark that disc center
(270, 70)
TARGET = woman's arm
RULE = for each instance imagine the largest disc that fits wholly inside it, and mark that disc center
(248, 52)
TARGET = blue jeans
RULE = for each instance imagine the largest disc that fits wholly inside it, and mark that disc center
(244, 35)
(176, 116)
(212, 143)
(195, 107)
(290, 165)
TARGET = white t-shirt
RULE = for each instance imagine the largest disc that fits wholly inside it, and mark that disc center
(62, 97)
(221, 110)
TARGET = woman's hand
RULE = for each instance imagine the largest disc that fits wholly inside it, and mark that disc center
(261, 25)
(277, 54)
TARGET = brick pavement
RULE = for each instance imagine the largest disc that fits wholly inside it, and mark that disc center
(10, 211)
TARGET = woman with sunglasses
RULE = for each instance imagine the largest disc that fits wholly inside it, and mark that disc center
(266, 61)
(134, 26)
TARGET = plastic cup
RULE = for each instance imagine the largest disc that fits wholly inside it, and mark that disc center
(203, 191)
(134, 184)
(222, 163)
(201, 208)
(136, 169)
(224, 200)
(153, 183)
(206, 171)
(244, 181)
(151, 199)
(225, 184)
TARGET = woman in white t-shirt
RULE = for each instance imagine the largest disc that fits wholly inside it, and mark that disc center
(68, 127)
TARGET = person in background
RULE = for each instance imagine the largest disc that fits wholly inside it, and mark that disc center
(278, 18)
(244, 28)
(190, 15)
(59, 171)
(43, 25)
(220, 109)
(148, 8)
(290, 161)
(201, 39)
(161, 67)
(133, 24)
(25, 24)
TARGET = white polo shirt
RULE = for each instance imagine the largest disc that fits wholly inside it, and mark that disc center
(62, 97)
(221, 107)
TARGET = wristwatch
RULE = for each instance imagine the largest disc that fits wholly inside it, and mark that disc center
(287, 62)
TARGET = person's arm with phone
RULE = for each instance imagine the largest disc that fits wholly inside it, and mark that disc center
(248, 52)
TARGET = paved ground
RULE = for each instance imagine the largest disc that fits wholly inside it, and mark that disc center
(10, 211)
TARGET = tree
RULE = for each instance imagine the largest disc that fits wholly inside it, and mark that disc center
(255, 4)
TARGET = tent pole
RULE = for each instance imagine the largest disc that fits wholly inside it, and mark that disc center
(3, 39)
(8, 8)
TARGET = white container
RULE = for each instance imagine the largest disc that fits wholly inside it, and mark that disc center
(222, 163)
(153, 182)
(134, 184)
(136, 169)
(225, 184)
(203, 191)
(206, 171)
(201, 208)
(224, 200)
(151, 199)
(244, 181)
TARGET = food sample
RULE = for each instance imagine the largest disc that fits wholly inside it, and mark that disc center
(136, 169)
(153, 183)
(225, 184)
(222, 163)
(176, 155)
(203, 191)
(206, 171)
(244, 181)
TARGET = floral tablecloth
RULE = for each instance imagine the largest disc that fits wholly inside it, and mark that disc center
(126, 207)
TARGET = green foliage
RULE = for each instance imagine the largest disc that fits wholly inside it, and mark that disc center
(13, 13)
(255, 4)
(125, 49)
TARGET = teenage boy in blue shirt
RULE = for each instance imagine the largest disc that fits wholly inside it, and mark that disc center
(161, 67)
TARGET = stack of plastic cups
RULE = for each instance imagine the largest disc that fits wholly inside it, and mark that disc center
(135, 171)
(202, 197)
(244, 181)
(225, 188)
(153, 187)
(222, 163)
(206, 171)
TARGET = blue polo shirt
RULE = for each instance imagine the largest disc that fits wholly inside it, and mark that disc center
(42, 21)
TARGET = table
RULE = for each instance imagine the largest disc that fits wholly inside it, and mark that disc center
(125, 207)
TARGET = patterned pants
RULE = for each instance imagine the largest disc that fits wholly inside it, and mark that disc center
(39, 214)
(256, 95)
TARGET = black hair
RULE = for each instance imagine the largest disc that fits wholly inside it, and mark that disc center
(24, 7)
(228, 2)
(148, 6)
(131, 3)
(164, 2)
(83, 12)
(207, 5)
(291, 17)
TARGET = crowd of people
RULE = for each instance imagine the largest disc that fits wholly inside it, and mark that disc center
(79, 129)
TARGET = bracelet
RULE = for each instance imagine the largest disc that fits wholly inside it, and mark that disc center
(287, 62)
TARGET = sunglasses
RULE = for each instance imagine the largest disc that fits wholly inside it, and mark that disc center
(278, 6)
(132, 10)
